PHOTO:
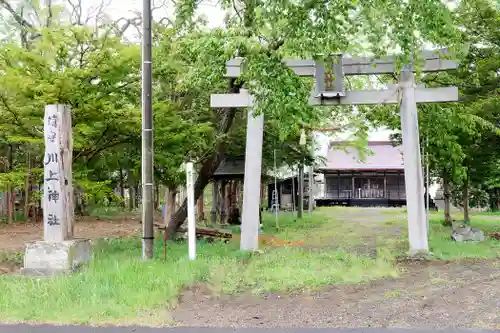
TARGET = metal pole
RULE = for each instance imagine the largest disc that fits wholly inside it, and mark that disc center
(191, 211)
(276, 207)
(147, 135)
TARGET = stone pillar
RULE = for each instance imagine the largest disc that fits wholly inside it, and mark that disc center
(251, 185)
(57, 253)
(417, 224)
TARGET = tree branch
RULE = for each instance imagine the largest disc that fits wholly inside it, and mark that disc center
(50, 13)
(19, 19)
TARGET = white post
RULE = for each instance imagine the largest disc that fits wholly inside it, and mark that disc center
(417, 226)
(251, 186)
(57, 189)
(191, 211)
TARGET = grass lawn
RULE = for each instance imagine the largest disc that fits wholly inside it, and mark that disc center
(445, 249)
(117, 287)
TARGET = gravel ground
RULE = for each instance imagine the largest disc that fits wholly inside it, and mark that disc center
(429, 295)
(116, 329)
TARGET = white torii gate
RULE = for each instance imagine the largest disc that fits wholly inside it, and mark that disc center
(406, 93)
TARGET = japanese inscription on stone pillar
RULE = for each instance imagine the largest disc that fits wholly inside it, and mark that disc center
(57, 190)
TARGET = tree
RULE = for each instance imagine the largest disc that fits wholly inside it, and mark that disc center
(263, 32)
(90, 66)
(460, 137)
(86, 67)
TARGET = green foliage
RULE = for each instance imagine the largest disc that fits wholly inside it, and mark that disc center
(55, 59)
(97, 192)
(461, 138)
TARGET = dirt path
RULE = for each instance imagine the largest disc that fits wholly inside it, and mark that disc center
(14, 237)
(429, 296)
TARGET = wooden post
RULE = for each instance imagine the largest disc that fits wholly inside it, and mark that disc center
(231, 194)
(223, 202)
(200, 205)
(237, 186)
(170, 197)
(215, 202)
(386, 196)
(353, 195)
(231, 201)
(58, 189)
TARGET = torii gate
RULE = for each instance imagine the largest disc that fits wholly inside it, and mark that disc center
(330, 91)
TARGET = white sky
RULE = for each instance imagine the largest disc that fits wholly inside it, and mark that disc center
(126, 8)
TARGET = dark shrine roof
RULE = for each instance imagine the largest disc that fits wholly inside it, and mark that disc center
(234, 167)
(385, 157)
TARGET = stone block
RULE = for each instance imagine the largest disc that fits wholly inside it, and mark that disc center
(467, 234)
(43, 258)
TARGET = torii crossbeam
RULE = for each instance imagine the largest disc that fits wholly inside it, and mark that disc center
(331, 93)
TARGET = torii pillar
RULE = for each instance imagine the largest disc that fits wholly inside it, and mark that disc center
(329, 91)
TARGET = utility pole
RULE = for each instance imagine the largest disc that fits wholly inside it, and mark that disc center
(147, 135)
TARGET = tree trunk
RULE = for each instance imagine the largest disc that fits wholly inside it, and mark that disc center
(209, 165)
(447, 197)
(122, 187)
(79, 209)
(136, 196)
(465, 199)
(200, 207)
(39, 208)
(10, 198)
(157, 197)
(27, 189)
(497, 204)
(170, 196)
(9, 204)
